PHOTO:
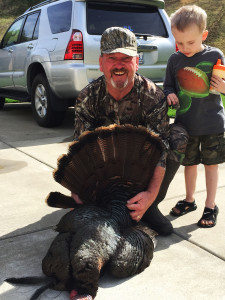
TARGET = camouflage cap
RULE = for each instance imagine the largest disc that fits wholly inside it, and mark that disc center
(118, 39)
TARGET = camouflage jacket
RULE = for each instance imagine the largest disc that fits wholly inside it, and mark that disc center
(144, 105)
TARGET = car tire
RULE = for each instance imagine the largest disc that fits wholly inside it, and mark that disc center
(2, 102)
(41, 101)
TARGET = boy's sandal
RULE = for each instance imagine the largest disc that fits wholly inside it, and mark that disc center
(209, 214)
(184, 207)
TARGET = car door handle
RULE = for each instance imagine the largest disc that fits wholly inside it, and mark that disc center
(30, 46)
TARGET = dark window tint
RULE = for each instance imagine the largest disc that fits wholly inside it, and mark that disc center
(59, 16)
(29, 27)
(142, 19)
(36, 30)
(12, 35)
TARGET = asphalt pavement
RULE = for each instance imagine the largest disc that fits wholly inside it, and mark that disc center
(189, 264)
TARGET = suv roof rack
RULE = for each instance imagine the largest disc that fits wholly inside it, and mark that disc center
(40, 4)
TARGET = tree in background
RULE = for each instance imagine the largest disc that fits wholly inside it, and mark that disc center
(16, 8)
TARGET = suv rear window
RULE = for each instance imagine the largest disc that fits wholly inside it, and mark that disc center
(59, 16)
(143, 19)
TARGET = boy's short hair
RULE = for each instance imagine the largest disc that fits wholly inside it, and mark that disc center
(188, 15)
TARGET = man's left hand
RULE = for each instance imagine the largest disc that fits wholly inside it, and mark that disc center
(139, 204)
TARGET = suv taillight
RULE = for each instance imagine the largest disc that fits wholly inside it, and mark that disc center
(75, 49)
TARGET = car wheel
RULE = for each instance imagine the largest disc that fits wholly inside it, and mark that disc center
(41, 101)
(2, 102)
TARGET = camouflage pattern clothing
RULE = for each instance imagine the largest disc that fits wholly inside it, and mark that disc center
(118, 39)
(211, 152)
(144, 105)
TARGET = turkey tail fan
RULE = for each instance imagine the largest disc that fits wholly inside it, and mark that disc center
(117, 151)
(137, 153)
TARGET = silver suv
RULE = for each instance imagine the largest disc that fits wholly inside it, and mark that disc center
(51, 51)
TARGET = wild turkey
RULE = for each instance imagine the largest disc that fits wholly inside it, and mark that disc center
(105, 167)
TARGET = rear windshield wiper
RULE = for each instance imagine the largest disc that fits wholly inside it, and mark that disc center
(144, 35)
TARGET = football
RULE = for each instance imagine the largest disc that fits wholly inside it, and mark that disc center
(193, 82)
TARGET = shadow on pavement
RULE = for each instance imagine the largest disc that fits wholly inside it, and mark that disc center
(18, 127)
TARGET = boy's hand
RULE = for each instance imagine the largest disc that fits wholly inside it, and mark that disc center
(218, 83)
(172, 100)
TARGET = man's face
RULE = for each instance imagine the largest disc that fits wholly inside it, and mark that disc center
(119, 70)
(189, 41)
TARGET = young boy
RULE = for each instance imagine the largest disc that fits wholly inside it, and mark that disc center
(187, 85)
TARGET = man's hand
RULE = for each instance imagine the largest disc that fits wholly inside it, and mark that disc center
(139, 204)
(142, 201)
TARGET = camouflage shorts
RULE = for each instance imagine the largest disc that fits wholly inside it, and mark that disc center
(205, 149)
(178, 142)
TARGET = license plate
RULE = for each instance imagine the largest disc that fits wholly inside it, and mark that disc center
(141, 58)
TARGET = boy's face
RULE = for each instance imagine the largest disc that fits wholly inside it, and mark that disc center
(189, 41)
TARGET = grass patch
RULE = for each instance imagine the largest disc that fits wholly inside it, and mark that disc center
(11, 101)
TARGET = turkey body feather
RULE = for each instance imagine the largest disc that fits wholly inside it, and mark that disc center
(98, 238)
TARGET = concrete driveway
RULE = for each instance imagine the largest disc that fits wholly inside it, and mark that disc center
(189, 264)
